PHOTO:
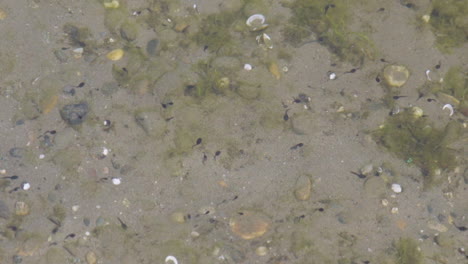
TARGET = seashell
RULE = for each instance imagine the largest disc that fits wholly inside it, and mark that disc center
(256, 22)
(264, 41)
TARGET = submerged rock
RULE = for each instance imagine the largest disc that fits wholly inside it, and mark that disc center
(74, 114)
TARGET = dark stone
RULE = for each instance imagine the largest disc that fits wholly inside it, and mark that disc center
(17, 152)
(152, 47)
(74, 114)
(69, 90)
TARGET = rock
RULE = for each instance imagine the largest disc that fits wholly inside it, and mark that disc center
(152, 47)
(303, 188)
(249, 224)
(91, 257)
(17, 152)
(74, 114)
(4, 210)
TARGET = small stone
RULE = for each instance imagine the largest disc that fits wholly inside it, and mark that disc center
(17, 152)
(396, 188)
(115, 55)
(249, 225)
(152, 47)
(367, 169)
(303, 188)
(74, 114)
(61, 56)
(261, 251)
(21, 208)
(91, 257)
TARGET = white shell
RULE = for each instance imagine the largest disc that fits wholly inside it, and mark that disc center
(396, 188)
(256, 22)
(171, 260)
(449, 107)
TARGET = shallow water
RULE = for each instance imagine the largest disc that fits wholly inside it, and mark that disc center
(175, 149)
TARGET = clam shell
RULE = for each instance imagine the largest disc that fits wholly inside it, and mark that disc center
(256, 22)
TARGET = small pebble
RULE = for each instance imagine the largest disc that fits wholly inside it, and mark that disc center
(247, 67)
(91, 257)
(25, 186)
(261, 251)
(396, 188)
(331, 75)
(116, 181)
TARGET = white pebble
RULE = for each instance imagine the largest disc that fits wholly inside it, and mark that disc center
(41, 156)
(396, 188)
(171, 260)
(25, 186)
(331, 75)
(116, 181)
(75, 208)
(105, 151)
(247, 67)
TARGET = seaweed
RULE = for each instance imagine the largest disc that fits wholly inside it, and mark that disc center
(408, 252)
(414, 139)
(328, 21)
(449, 23)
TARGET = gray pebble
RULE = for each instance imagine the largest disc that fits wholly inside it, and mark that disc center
(17, 152)
(69, 90)
(74, 114)
(152, 47)
(86, 221)
(4, 211)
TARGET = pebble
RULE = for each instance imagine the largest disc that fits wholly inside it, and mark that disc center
(74, 114)
(21, 208)
(396, 188)
(152, 47)
(303, 188)
(91, 257)
(17, 152)
(249, 225)
(178, 217)
(61, 56)
(115, 55)
(261, 251)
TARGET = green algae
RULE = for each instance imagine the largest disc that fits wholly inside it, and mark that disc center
(328, 20)
(449, 23)
(408, 252)
(415, 140)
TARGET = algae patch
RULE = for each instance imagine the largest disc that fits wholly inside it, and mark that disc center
(411, 137)
(408, 252)
(449, 23)
(328, 20)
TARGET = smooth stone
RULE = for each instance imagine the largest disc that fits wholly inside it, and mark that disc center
(303, 188)
(74, 114)
(249, 224)
(17, 152)
(396, 75)
(152, 47)
(91, 258)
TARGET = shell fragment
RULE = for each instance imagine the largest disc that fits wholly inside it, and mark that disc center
(449, 107)
(256, 22)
